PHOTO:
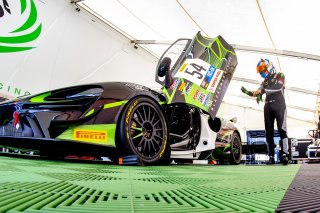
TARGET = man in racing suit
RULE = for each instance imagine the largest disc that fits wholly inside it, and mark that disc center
(274, 108)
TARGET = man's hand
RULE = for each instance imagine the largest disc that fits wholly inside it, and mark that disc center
(259, 98)
(256, 93)
(245, 91)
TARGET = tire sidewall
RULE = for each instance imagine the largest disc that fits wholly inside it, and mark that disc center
(235, 136)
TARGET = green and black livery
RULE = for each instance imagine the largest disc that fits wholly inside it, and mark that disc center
(117, 119)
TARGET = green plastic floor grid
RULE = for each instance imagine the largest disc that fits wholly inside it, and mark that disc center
(304, 192)
(33, 185)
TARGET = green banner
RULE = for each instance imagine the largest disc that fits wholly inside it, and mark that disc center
(12, 90)
(19, 37)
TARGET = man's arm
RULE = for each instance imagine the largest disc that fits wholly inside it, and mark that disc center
(258, 93)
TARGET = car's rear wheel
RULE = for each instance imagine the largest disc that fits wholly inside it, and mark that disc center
(235, 149)
(143, 131)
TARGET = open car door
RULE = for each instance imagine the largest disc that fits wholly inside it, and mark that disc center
(197, 72)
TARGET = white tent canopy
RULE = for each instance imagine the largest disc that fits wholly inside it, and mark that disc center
(121, 40)
(276, 25)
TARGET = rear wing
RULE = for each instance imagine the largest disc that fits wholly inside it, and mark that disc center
(201, 73)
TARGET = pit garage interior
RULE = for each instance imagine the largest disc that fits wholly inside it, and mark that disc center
(50, 44)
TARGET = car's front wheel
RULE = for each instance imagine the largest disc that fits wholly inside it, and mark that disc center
(143, 131)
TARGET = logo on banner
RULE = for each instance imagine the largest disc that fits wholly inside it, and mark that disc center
(17, 36)
(4, 8)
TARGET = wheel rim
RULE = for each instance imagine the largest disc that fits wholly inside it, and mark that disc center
(146, 131)
(236, 149)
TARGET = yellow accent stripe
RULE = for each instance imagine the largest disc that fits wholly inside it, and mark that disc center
(40, 98)
(114, 104)
(89, 113)
(107, 106)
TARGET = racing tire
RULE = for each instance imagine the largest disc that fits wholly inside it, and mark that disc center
(143, 131)
(235, 149)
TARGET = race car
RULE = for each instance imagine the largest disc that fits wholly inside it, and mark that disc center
(117, 119)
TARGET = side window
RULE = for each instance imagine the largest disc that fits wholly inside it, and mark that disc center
(92, 92)
(174, 53)
(73, 93)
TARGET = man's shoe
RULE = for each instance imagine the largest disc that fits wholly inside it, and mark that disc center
(271, 160)
(285, 159)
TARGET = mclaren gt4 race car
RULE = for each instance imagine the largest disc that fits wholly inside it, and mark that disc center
(117, 119)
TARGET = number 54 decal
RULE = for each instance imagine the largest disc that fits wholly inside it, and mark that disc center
(199, 72)
(195, 70)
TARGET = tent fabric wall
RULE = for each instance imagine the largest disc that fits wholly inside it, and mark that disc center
(291, 23)
(73, 48)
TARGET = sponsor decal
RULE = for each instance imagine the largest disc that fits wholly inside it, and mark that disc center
(164, 145)
(201, 97)
(130, 111)
(175, 84)
(207, 101)
(185, 86)
(90, 135)
(17, 37)
(209, 75)
(195, 95)
(189, 89)
(182, 86)
(128, 116)
(215, 81)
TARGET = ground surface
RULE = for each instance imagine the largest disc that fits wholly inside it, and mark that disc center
(34, 185)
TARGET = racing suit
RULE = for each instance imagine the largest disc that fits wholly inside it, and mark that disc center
(275, 109)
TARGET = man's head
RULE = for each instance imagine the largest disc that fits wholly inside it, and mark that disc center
(265, 68)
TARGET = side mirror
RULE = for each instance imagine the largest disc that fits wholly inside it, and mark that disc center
(164, 66)
(234, 119)
(164, 70)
